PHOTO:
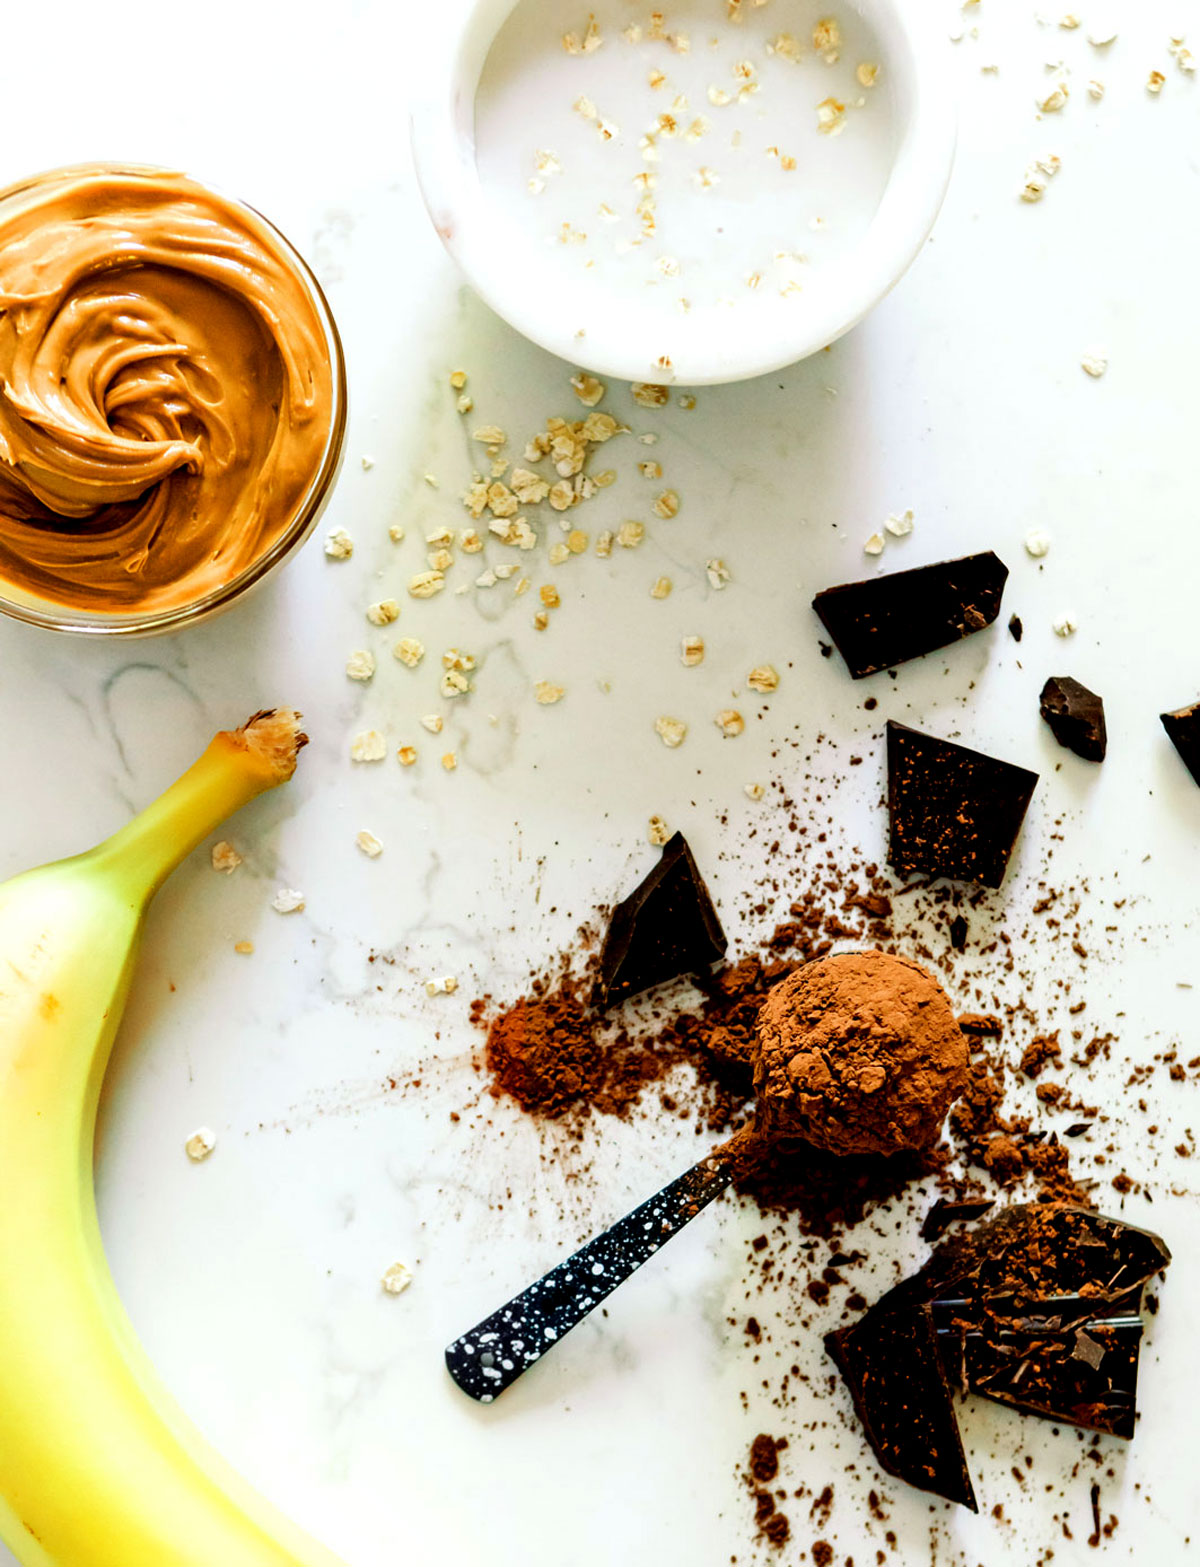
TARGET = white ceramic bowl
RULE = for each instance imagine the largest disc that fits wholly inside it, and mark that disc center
(652, 340)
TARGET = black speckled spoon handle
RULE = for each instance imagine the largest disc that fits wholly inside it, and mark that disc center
(494, 1354)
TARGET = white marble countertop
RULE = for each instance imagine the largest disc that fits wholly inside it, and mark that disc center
(254, 1278)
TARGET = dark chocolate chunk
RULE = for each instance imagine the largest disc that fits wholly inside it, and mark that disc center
(1037, 1308)
(953, 812)
(943, 1214)
(666, 927)
(958, 933)
(888, 620)
(1016, 628)
(1075, 716)
(1183, 728)
(891, 1363)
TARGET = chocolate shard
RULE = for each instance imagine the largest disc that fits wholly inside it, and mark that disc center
(665, 928)
(943, 1214)
(891, 1363)
(1075, 716)
(905, 614)
(1183, 728)
(953, 812)
(1016, 628)
(1038, 1308)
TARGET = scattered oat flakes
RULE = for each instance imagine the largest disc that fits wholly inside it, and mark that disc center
(450, 761)
(577, 541)
(764, 678)
(443, 985)
(730, 722)
(432, 722)
(899, 524)
(367, 463)
(383, 612)
(1038, 175)
(666, 505)
(406, 755)
(588, 390)
(547, 693)
(717, 573)
(369, 844)
(489, 435)
(454, 683)
(650, 470)
(396, 533)
(1101, 34)
(409, 651)
(1069, 22)
(548, 594)
(1155, 83)
(361, 665)
(426, 584)
(244, 947)
(1065, 625)
(827, 39)
(464, 404)
(661, 588)
(691, 651)
(558, 553)
(686, 401)
(754, 791)
(831, 116)
(705, 178)
(867, 74)
(225, 857)
(631, 534)
(1055, 99)
(200, 1144)
(470, 542)
(440, 560)
(658, 831)
(1182, 56)
(339, 545)
(288, 901)
(647, 395)
(396, 1279)
(368, 746)
(786, 46)
(604, 544)
(874, 545)
(670, 731)
(1037, 543)
(1095, 362)
(1095, 88)
(458, 379)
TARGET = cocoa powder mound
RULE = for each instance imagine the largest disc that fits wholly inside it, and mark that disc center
(859, 1053)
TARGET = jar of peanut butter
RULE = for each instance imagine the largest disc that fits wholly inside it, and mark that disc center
(172, 400)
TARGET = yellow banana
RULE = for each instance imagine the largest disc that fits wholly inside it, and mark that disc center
(98, 1466)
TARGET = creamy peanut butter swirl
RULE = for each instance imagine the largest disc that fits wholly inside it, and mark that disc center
(166, 390)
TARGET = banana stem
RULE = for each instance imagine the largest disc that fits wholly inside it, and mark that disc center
(237, 766)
